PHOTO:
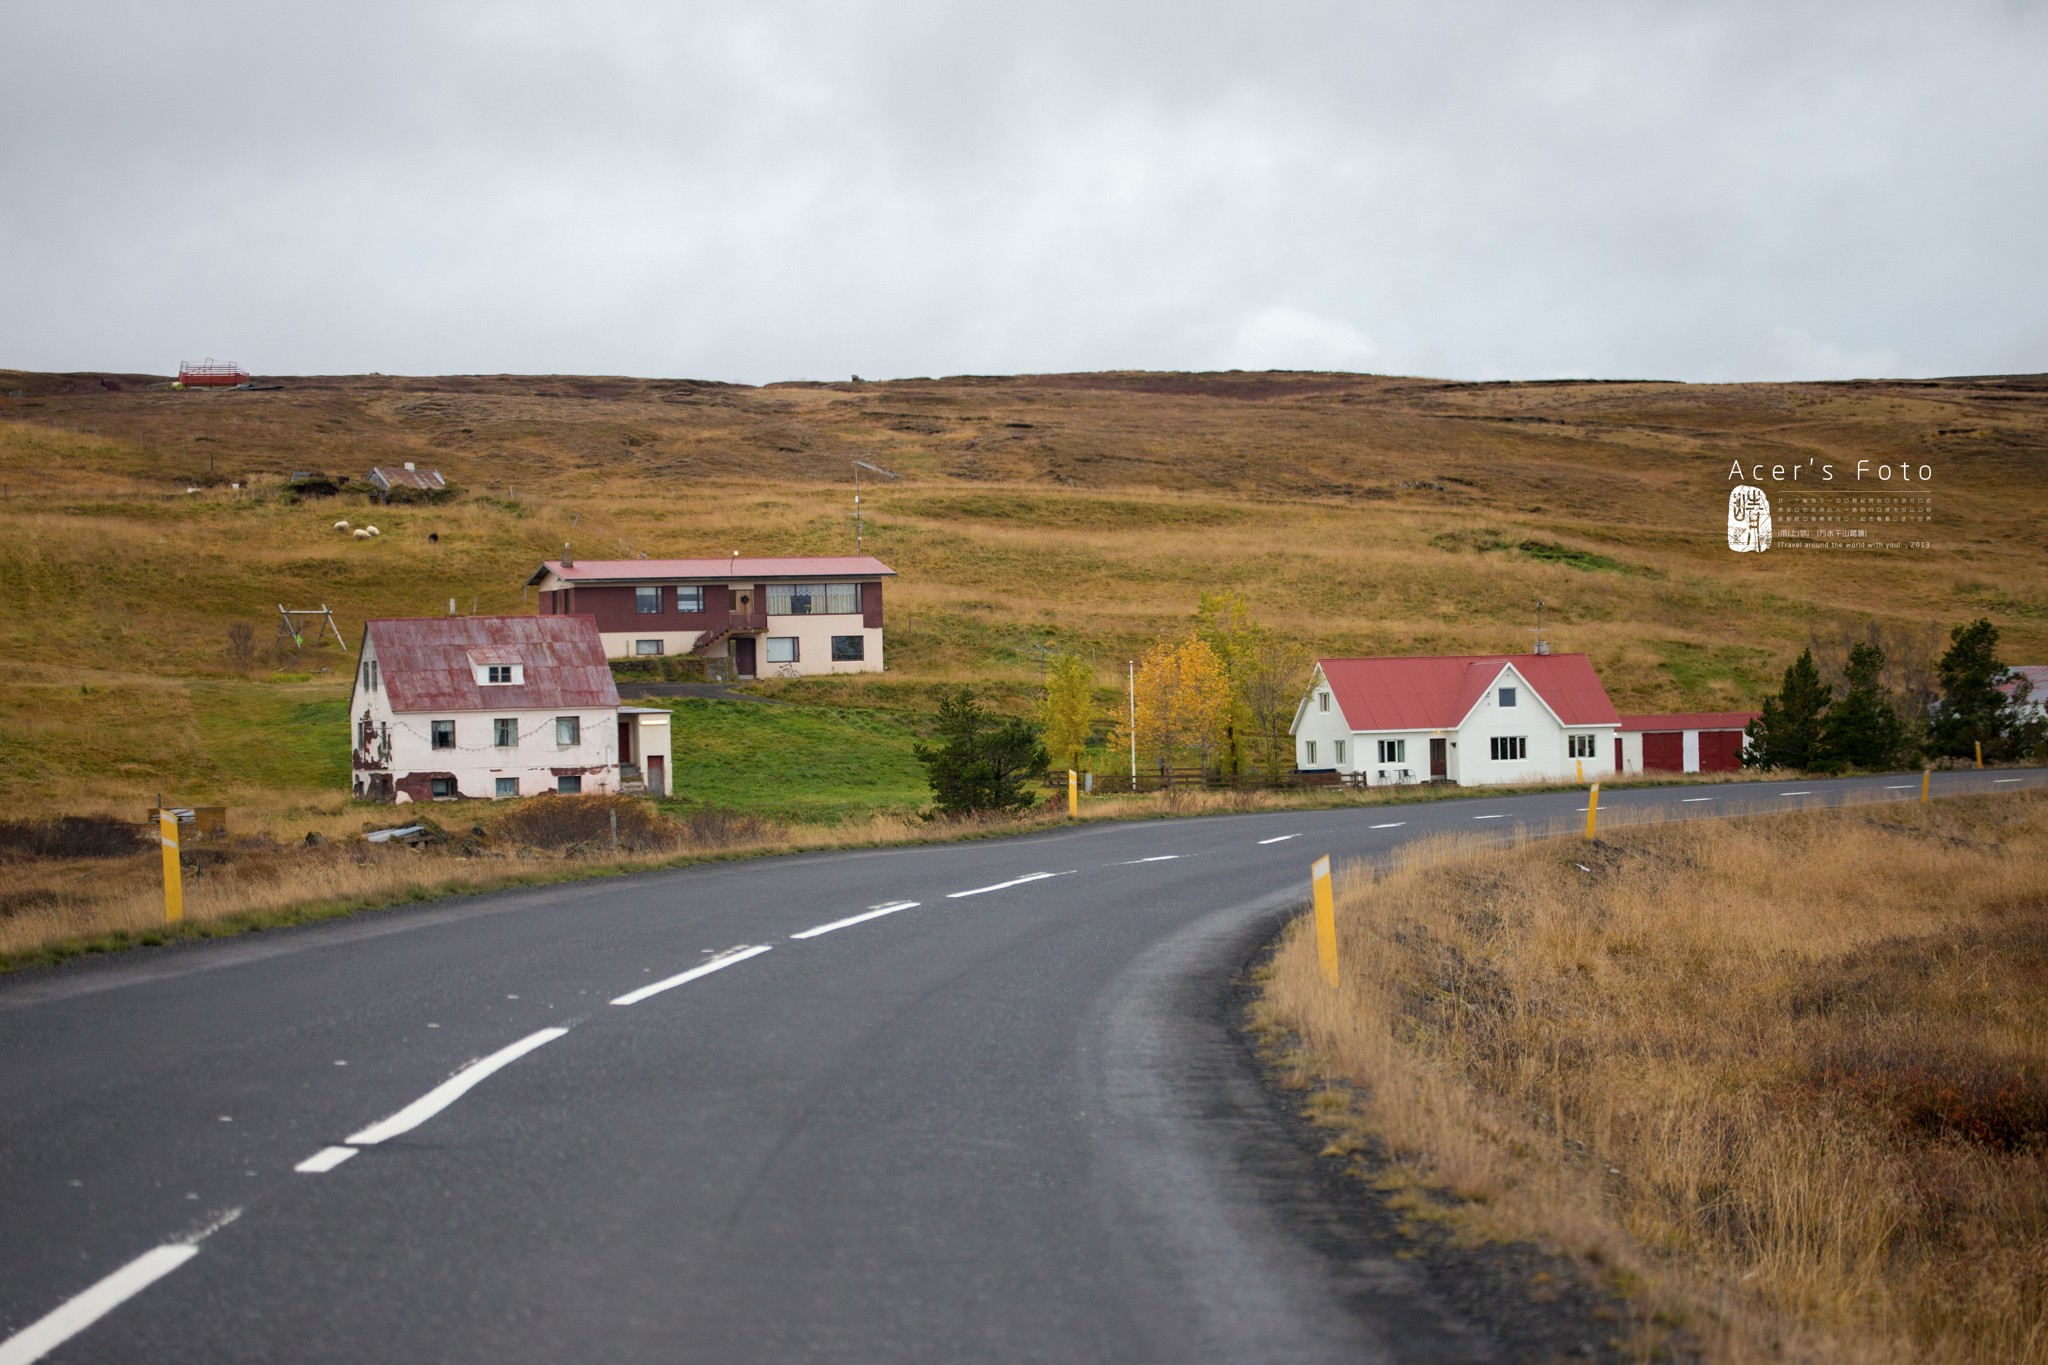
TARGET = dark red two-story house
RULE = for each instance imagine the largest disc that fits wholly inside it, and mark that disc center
(785, 617)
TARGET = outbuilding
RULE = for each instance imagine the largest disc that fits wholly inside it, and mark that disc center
(1687, 742)
(1472, 719)
(446, 707)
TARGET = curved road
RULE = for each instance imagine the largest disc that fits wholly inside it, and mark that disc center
(976, 1101)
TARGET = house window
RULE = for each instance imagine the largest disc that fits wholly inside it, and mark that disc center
(441, 733)
(1322, 701)
(782, 649)
(568, 731)
(647, 601)
(1393, 751)
(1507, 696)
(508, 786)
(568, 786)
(842, 599)
(1578, 746)
(690, 599)
(505, 732)
(370, 675)
(443, 788)
(848, 648)
(644, 647)
(498, 673)
(1311, 751)
(1337, 750)
(1510, 748)
(794, 599)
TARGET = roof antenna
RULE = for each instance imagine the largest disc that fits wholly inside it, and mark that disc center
(1541, 646)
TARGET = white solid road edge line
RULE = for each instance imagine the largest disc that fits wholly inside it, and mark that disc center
(716, 964)
(1280, 839)
(83, 1309)
(450, 1090)
(1003, 886)
(324, 1160)
(875, 913)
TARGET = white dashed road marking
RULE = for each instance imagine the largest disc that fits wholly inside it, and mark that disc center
(1004, 886)
(716, 964)
(82, 1310)
(1690, 800)
(1490, 817)
(324, 1160)
(875, 913)
(1395, 824)
(1795, 793)
(1155, 858)
(451, 1090)
(2001, 781)
(1283, 838)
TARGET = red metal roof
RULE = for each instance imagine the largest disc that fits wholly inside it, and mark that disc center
(1437, 693)
(737, 567)
(2037, 682)
(428, 663)
(1691, 720)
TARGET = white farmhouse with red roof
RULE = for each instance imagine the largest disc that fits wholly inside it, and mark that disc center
(446, 707)
(783, 617)
(1472, 719)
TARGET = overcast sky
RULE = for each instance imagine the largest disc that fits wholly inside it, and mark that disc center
(755, 191)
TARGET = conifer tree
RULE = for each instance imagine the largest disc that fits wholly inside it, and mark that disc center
(1788, 733)
(981, 762)
(1862, 728)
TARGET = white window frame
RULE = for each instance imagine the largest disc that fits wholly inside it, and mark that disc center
(500, 675)
(1337, 752)
(1322, 701)
(1311, 750)
(1510, 748)
(1393, 751)
(1581, 746)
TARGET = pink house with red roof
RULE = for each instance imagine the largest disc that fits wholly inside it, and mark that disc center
(1473, 719)
(447, 707)
(762, 617)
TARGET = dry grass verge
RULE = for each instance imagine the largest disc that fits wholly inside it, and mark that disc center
(1787, 1076)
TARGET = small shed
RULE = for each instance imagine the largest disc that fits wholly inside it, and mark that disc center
(409, 481)
(1687, 742)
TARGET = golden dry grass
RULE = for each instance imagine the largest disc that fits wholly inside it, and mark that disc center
(1788, 1075)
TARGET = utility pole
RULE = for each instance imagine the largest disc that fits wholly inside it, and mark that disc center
(1134, 725)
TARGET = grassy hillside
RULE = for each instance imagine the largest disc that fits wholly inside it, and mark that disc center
(1360, 513)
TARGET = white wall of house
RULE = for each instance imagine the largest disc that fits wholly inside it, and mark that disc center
(478, 763)
(813, 635)
(1319, 726)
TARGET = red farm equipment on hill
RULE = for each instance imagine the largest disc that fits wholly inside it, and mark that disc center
(211, 374)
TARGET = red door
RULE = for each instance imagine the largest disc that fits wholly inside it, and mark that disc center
(625, 741)
(1439, 758)
(743, 655)
(1617, 755)
(1664, 751)
(1720, 751)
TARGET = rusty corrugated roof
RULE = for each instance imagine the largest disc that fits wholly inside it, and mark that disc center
(425, 663)
(427, 480)
(1438, 692)
(735, 567)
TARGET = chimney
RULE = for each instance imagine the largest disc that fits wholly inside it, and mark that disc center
(568, 560)
(408, 466)
(1543, 646)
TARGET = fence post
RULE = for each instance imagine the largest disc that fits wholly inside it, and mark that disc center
(1592, 809)
(615, 829)
(1326, 917)
(174, 886)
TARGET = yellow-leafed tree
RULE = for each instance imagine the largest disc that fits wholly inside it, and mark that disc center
(1065, 710)
(1184, 704)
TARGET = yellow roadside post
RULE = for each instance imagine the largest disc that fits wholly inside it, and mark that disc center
(1926, 776)
(1582, 769)
(1326, 918)
(1592, 809)
(1073, 794)
(1980, 754)
(174, 888)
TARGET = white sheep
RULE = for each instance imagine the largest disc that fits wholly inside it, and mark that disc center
(341, 526)
(373, 530)
(362, 534)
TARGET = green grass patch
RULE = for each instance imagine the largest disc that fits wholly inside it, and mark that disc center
(1551, 553)
(1715, 677)
(789, 762)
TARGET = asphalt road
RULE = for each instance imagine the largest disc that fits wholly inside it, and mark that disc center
(1007, 1121)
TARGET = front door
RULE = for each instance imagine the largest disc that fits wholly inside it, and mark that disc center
(625, 741)
(1439, 758)
(657, 779)
(743, 655)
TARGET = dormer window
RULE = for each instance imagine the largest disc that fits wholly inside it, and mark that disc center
(500, 675)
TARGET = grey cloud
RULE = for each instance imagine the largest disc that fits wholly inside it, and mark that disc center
(776, 191)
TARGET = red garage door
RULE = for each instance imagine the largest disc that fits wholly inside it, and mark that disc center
(1720, 751)
(1664, 751)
